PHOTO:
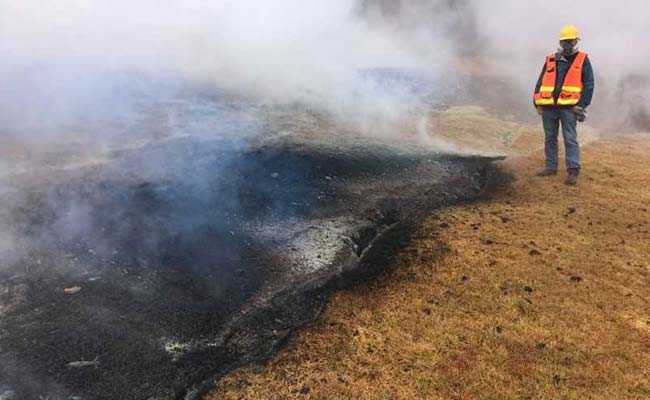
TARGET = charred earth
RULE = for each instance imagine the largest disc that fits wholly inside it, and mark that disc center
(166, 265)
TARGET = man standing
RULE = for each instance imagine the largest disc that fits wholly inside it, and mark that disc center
(562, 94)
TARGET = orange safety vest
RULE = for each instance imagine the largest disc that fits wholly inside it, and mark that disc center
(571, 87)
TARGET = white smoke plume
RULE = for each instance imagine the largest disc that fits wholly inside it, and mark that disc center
(80, 68)
(62, 60)
(82, 79)
(518, 35)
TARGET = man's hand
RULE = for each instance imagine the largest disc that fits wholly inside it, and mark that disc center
(540, 110)
(581, 113)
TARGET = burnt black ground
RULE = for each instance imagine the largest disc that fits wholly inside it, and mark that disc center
(199, 253)
(201, 264)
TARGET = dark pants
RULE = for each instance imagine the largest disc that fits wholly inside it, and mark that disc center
(552, 118)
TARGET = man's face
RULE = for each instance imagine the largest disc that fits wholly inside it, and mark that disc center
(568, 45)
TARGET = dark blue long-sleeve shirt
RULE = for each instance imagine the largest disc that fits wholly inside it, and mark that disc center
(563, 64)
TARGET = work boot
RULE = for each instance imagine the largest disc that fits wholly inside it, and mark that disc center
(572, 177)
(547, 172)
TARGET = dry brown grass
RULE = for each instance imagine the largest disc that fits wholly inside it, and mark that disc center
(540, 293)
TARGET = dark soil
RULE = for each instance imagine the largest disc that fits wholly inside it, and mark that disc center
(194, 258)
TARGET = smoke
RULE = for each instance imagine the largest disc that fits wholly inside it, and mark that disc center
(517, 35)
(80, 69)
(613, 33)
(80, 65)
(81, 78)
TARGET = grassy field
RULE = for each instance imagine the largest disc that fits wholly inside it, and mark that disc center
(541, 292)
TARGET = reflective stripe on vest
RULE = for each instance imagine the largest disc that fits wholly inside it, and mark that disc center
(571, 87)
(545, 95)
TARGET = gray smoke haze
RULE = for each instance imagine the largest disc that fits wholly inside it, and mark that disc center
(79, 60)
(507, 40)
(615, 34)
(80, 78)
(80, 68)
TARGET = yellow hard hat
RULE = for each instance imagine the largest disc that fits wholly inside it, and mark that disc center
(569, 32)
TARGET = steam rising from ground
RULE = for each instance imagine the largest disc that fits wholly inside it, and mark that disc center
(615, 34)
(76, 60)
(67, 61)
